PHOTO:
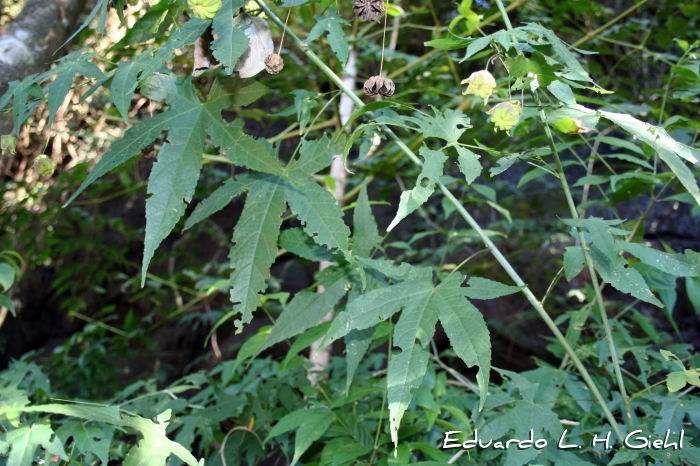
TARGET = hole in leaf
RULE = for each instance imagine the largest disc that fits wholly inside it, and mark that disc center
(425, 182)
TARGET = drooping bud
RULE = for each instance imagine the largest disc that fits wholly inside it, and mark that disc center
(368, 10)
(274, 63)
(571, 126)
(44, 166)
(506, 115)
(8, 143)
(205, 9)
(379, 85)
(481, 84)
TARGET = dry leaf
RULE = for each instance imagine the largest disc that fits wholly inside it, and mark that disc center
(253, 60)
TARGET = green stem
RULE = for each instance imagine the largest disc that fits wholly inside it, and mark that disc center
(591, 268)
(469, 219)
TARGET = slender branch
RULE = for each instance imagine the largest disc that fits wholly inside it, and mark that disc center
(469, 219)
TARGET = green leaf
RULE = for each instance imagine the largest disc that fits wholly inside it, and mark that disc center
(468, 164)
(123, 86)
(319, 212)
(175, 174)
(574, 70)
(242, 149)
(357, 342)
(303, 341)
(405, 373)
(332, 23)
(692, 288)
(232, 41)
(183, 36)
(476, 46)
(483, 288)
(610, 265)
(5, 301)
(87, 438)
(245, 91)
(519, 68)
(448, 43)
(304, 101)
(414, 198)
(561, 91)
(365, 235)
(154, 22)
(573, 261)
(311, 424)
(375, 306)
(316, 155)
(448, 125)
(308, 308)
(669, 150)
(134, 140)
(24, 441)
(614, 270)
(7, 275)
(678, 265)
(59, 88)
(465, 327)
(255, 245)
(155, 447)
(219, 199)
(300, 244)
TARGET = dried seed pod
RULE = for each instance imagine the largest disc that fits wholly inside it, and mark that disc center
(368, 10)
(274, 63)
(379, 85)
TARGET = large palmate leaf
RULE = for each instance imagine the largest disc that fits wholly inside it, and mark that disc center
(366, 235)
(134, 140)
(318, 209)
(24, 441)
(332, 23)
(422, 304)
(59, 88)
(448, 125)
(425, 186)
(405, 373)
(87, 438)
(181, 37)
(308, 308)
(244, 150)
(176, 172)
(220, 198)
(310, 424)
(316, 155)
(232, 41)
(610, 265)
(255, 245)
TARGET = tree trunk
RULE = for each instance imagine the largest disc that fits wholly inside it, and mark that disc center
(28, 44)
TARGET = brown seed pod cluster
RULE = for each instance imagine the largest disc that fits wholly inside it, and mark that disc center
(368, 10)
(274, 63)
(379, 85)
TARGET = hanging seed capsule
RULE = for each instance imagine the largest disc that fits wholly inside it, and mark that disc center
(368, 10)
(379, 85)
(274, 63)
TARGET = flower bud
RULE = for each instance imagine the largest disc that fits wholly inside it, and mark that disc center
(481, 84)
(505, 115)
(205, 9)
(44, 166)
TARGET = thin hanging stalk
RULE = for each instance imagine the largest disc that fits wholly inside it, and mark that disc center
(584, 246)
(469, 219)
